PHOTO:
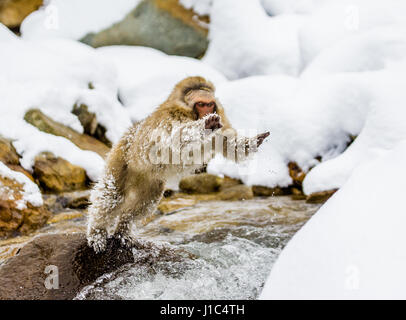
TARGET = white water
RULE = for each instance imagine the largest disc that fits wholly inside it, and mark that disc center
(233, 260)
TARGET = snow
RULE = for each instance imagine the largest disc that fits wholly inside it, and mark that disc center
(352, 248)
(201, 7)
(352, 88)
(74, 19)
(30, 192)
(345, 18)
(245, 41)
(276, 7)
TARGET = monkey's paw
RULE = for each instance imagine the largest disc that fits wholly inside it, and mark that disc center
(126, 240)
(213, 122)
(97, 239)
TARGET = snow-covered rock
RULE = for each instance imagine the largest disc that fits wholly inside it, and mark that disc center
(54, 75)
(75, 18)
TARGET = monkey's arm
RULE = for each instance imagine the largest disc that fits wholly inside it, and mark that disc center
(183, 142)
(235, 147)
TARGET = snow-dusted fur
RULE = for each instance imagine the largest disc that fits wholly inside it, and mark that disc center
(136, 171)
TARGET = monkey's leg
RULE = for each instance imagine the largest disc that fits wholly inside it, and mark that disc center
(102, 213)
(136, 205)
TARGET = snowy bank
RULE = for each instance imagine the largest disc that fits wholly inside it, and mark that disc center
(353, 247)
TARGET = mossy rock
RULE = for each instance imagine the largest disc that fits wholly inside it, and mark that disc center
(55, 174)
(200, 183)
(161, 24)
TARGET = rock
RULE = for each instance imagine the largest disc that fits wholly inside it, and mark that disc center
(180, 201)
(73, 200)
(261, 191)
(13, 218)
(19, 168)
(65, 216)
(296, 173)
(161, 24)
(90, 125)
(168, 205)
(297, 194)
(10, 157)
(23, 276)
(77, 200)
(200, 183)
(8, 154)
(320, 197)
(55, 174)
(238, 192)
(229, 182)
(13, 12)
(46, 124)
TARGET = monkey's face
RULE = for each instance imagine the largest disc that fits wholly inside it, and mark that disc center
(202, 102)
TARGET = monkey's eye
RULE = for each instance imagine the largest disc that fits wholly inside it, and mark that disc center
(211, 104)
(199, 104)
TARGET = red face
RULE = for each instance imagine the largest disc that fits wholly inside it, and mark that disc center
(204, 108)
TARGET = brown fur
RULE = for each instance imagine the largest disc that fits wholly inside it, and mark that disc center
(132, 186)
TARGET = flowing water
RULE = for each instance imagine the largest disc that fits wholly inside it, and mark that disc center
(231, 245)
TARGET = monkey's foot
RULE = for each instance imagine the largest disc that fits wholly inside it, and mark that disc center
(126, 240)
(97, 239)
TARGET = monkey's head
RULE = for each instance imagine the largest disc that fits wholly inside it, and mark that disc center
(202, 102)
(197, 94)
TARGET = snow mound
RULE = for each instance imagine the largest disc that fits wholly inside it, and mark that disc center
(245, 41)
(352, 248)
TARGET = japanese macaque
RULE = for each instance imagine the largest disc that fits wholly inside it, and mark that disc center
(180, 136)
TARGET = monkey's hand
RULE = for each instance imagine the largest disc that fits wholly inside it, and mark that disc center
(261, 137)
(213, 122)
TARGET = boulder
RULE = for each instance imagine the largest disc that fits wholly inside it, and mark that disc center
(170, 205)
(235, 193)
(90, 124)
(55, 174)
(261, 191)
(228, 182)
(161, 24)
(73, 265)
(15, 218)
(320, 197)
(8, 154)
(200, 183)
(83, 141)
(297, 194)
(72, 200)
(13, 12)
(296, 173)
(64, 216)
